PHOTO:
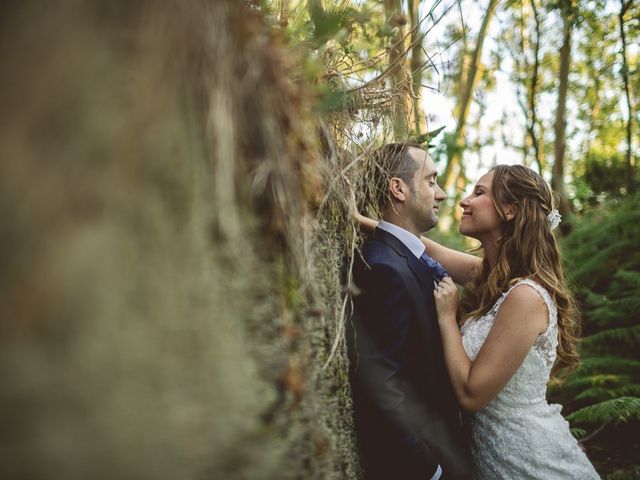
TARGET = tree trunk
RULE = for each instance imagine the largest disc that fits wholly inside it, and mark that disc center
(629, 180)
(537, 141)
(400, 82)
(524, 45)
(471, 80)
(417, 65)
(557, 178)
(283, 14)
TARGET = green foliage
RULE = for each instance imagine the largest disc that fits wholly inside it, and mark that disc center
(605, 173)
(627, 336)
(632, 474)
(604, 251)
(328, 24)
(620, 409)
(333, 100)
(425, 138)
(598, 364)
(602, 397)
(599, 165)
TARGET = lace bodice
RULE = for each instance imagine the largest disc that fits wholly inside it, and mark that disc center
(529, 384)
(518, 435)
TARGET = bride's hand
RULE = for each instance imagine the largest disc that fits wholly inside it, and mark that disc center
(446, 297)
(353, 205)
(365, 223)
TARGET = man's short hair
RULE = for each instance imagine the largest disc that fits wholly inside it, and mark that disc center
(393, 160)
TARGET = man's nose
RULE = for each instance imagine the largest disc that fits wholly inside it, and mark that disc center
(440, 195)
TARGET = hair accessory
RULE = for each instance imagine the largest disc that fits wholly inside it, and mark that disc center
(554, 218)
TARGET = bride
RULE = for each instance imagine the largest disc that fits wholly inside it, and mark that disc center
(514, 326)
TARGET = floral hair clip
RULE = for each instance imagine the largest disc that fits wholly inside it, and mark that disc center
(554, 218)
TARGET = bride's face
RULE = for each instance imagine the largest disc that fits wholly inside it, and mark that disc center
(480, 219)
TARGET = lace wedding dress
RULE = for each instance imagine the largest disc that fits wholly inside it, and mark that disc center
(518, 435)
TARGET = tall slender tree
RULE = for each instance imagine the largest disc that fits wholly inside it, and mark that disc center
(400, 81)
(629, 176)
(469, 80)
(417, 67)
(567, 13)
(536, 138)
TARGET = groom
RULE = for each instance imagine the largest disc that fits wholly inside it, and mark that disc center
(406, 414)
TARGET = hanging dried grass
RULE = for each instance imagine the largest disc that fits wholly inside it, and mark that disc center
(175, 240)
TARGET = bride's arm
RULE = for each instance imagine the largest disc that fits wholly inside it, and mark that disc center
(461, 266)
(521, 318)
(366, 224)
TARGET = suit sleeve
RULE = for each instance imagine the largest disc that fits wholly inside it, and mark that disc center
(383, 330)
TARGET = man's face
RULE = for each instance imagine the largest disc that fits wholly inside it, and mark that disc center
(423, 201)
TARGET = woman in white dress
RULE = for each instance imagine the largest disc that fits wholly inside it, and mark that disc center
(515, 325)
(518, 325)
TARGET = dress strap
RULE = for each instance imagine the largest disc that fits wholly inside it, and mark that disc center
(552, 311)
(547, 341)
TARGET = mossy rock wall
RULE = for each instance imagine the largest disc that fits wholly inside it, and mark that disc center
(169, 291)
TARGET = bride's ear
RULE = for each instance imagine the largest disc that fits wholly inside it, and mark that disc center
(510, 212)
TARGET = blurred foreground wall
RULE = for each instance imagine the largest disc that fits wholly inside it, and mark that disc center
(167, 295)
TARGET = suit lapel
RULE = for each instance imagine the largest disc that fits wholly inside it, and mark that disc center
(420, 271)
(419, 290)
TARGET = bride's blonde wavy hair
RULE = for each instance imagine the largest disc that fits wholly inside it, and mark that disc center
(527, 248)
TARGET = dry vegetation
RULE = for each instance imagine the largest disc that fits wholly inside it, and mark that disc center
(174, 243)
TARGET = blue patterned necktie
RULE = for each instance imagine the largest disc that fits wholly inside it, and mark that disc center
(436, 268)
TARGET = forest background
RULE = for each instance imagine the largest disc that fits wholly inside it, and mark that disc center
(176, 235)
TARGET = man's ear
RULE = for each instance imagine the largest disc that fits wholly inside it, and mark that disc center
(510, 212)
(397, 189)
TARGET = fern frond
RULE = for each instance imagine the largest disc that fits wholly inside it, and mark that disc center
(631, 473)
(578, 432)
(615, 312)
(597, 387)
(592, 300)
(608, 365)
(628, 278)
(599, 394)
(596, 380)
(627, 336)
(601, 263)
(616, 410)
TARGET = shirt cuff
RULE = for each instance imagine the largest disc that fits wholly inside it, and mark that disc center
(438, 473)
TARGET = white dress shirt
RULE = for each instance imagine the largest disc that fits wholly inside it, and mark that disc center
(411, 241)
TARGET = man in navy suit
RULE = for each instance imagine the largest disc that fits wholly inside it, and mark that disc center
(406, 414)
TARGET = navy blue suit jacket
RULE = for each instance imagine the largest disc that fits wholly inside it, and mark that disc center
(406, 414)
